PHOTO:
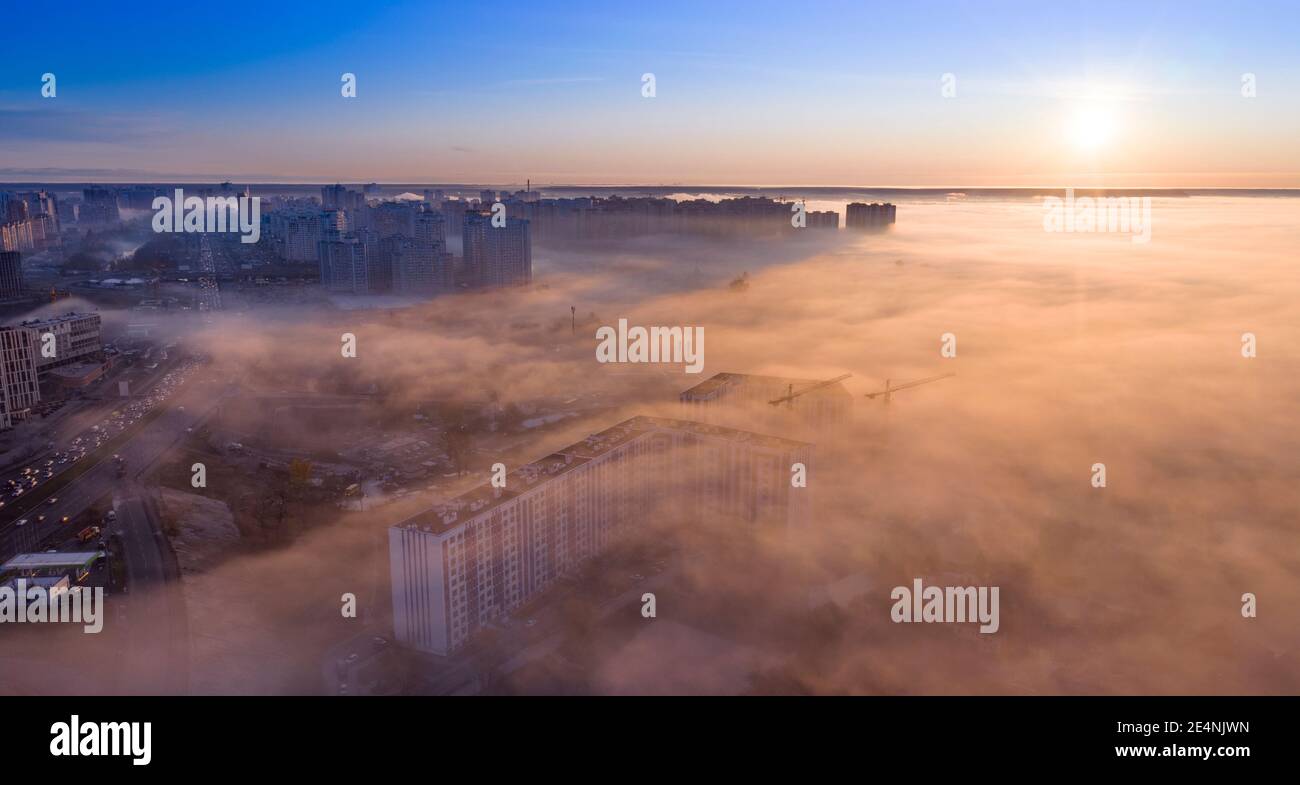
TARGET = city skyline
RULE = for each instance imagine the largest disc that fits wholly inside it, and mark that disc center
(1083, 96)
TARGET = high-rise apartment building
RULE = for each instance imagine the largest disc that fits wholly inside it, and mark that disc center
(17, 236)
(431, 240)
(331, 196)
(827, 219)
(393, 219)
(300, 236)
(870, 216)
(457, 567)
(343, 266)
(98, 207)
(497, 255)
(43, 207)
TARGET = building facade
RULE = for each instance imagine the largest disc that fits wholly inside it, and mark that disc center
(19, 386)
(343, 266)
(98, 207)
(497, 255)
(77, 339)
(870, 216)
(458, 567)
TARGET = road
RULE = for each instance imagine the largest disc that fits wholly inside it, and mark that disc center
(145, 446)
(155, 655)
(76, 419)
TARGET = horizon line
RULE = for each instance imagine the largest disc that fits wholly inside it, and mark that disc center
(640, 186)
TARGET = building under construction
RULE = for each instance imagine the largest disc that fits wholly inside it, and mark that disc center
(816, 403)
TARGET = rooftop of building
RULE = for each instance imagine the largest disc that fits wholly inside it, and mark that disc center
(483, 498)
(52, 320)
(50, 561)
(76, 370)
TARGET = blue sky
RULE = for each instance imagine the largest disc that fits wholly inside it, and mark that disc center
(747, 93)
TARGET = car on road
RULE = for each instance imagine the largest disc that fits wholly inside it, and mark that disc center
(52, 500)
(40, 518)
(21, 522)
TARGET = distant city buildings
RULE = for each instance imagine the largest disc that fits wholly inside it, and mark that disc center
(339, 197)
(459, 566)
(29, 221)
(408, 246)
(98, 208)
(870, 216)
(826, 219)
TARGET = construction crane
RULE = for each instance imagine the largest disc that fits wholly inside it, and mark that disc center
(791, 394)
(891, 389)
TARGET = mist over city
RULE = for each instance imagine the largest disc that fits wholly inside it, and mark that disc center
(624, 376)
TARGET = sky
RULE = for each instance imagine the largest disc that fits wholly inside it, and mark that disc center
(754, 93)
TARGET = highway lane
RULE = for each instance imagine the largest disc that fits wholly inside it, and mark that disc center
(149, 444)
(155, 657)
(90, 411)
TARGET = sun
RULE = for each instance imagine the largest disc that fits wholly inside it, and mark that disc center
(1091, 126)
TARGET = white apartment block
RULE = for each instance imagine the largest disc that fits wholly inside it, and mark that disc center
(457, 567)
(77, 339)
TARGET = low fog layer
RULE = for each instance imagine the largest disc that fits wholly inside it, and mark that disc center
(1072, 349)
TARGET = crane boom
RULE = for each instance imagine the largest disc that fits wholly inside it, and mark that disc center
(792, 394)
(895, 388)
